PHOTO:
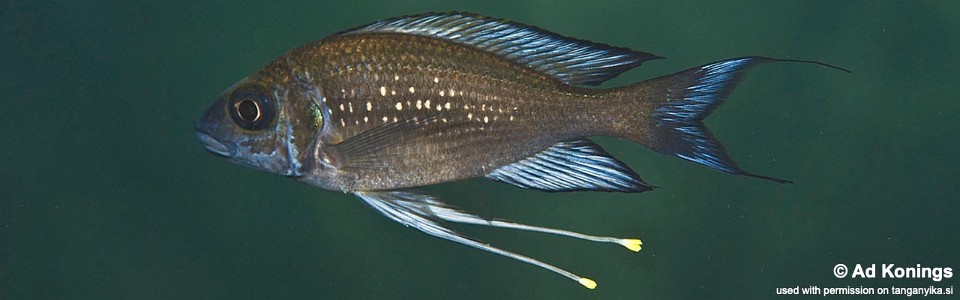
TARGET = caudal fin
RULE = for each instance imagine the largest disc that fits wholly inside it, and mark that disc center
(676, 105)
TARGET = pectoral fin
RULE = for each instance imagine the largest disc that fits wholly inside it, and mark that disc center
(369, 149)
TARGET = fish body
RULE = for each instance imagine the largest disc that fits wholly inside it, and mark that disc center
(468, 112)
(420, 100)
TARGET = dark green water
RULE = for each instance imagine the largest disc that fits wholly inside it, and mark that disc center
(107, 194)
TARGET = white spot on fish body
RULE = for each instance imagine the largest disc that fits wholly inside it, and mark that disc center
(436, 80)
(350, 106)
(419, 104)
(412, 90)
(447, 106)
(469, 116)
(485, 120)
(427, 104)
(342, 108)
(441, 93)
(364, 119)
(399, 106)
(383, 91)
(369, 106)
(396, 77)
(385, 118)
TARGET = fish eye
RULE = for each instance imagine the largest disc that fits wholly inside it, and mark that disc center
(251, 109)
(248, 110)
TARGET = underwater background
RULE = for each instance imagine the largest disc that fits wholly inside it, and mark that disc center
(105, 192)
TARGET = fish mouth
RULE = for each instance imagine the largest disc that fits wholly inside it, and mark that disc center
(213, 145)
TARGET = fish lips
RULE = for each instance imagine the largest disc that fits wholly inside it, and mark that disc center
(213, 145)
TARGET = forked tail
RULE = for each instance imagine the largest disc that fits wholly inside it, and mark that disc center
(673, 108)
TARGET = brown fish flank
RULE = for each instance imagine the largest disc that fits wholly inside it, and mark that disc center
(471, 107)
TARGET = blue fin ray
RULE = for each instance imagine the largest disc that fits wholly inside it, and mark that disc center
(427, 213)
(579, 165)
(682, 100)
(569, 60)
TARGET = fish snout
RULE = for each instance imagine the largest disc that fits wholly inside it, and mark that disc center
(205, 129)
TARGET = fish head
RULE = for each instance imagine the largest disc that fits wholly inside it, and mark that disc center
(247, 124)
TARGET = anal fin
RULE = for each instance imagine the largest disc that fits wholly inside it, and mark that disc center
(578, 165)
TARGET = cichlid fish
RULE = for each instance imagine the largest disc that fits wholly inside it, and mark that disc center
(419, 100)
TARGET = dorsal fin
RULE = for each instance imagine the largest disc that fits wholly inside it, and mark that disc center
(578, 165)
(569, 60)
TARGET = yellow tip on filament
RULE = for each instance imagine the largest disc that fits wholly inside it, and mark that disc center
(632, 244)
(589, 283)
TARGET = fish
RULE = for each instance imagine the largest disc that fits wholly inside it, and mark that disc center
(382, 109)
